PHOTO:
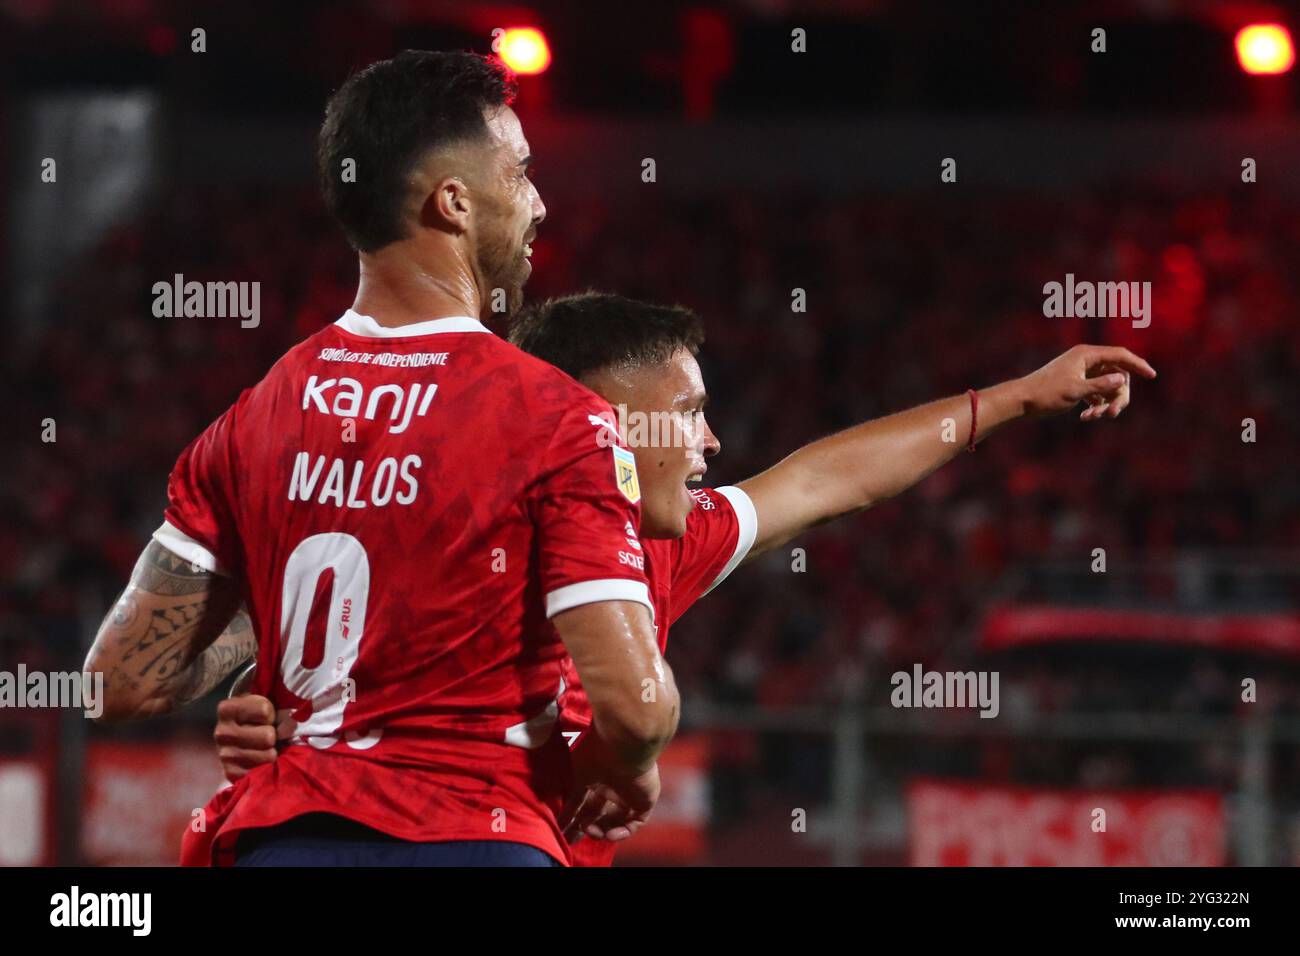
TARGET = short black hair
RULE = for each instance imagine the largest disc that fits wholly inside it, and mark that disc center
(593, 330)
(386, 119)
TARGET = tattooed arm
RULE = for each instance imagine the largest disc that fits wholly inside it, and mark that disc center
(156, 647)
(236, 645)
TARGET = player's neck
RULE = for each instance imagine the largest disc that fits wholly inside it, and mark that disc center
(402, 285)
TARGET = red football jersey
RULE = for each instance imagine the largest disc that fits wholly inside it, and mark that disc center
(720, 531)
(405, 508)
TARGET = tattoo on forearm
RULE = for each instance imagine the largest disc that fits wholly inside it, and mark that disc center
(237, 644)
(159, 571)
(154, 644)
(161, 651)
(125, 611)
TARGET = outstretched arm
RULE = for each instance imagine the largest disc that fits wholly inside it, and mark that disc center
(876, 460)
(151, 648)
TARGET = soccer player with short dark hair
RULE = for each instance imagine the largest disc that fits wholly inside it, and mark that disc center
(423, 521)
(642, 359)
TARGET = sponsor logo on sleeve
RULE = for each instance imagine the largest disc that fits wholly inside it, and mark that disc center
(702, 499)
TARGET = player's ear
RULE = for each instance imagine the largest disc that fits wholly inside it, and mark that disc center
(447, 204)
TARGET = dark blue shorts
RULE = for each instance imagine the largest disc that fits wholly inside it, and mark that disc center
(320, 839)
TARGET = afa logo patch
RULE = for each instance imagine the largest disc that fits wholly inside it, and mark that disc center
(625, 474)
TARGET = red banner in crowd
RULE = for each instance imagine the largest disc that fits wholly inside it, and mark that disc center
(1024, 624)
(26, 814)
(974, 824)
(140, 797)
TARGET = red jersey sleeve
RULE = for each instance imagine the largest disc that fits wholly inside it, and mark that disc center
(199, 523)
(587, 514)
(719, 533)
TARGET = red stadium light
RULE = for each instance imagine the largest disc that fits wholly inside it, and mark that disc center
(525, 50)
(1265, 49)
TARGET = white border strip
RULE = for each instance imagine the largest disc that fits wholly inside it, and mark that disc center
(187, 549)
(590, 592)
(747, 519)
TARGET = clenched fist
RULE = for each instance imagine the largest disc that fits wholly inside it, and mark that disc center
(245, 735)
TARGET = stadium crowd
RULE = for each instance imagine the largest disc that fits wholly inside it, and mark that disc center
(907, 299)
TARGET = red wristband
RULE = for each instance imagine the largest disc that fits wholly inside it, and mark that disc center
(974, 416)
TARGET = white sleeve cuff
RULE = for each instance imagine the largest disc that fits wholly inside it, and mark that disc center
(590, 592)
(747, 519)
(183, 546)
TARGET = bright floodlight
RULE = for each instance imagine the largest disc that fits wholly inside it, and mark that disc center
(525, 50)
(1265, 48)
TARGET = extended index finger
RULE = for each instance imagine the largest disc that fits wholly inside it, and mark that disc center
(1122, 357)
